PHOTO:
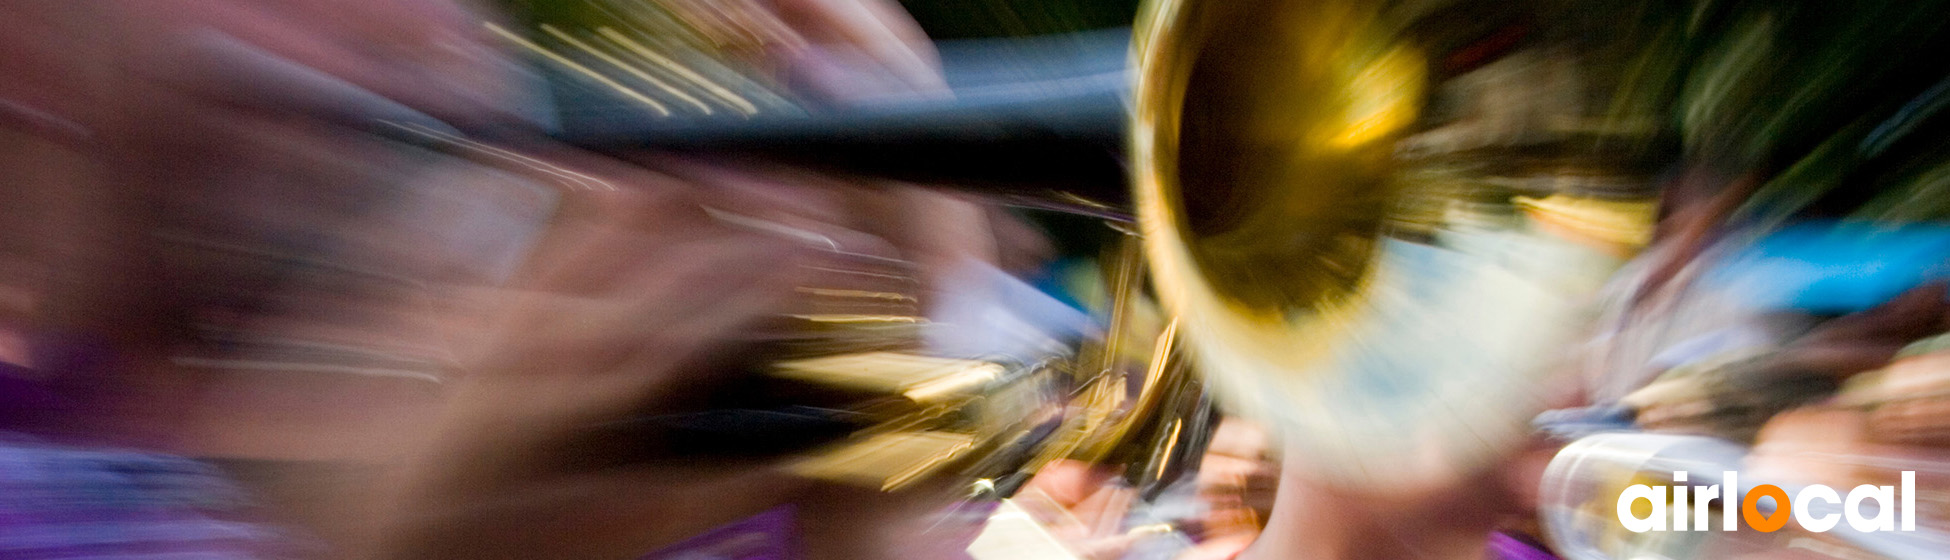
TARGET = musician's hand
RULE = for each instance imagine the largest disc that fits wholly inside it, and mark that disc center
(626, 316)
(632, 303)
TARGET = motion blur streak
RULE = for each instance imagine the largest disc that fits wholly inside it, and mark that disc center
(989, 279)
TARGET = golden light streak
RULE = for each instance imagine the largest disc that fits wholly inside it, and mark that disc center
(1171, 442)
(722, 93)
(640, 74)
(529, 162)
(834, 292)
(598, 76)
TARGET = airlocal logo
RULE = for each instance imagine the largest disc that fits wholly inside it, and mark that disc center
(1819, 521)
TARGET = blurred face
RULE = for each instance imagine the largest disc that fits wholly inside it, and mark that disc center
(227, 215)
(294, 286)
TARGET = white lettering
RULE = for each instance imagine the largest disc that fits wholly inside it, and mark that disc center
(1679, 502)
(1702, 501)
(1730, 502)
(1909, 500)
(1805, 515)
(1885, 497)
(1636, 524)
(1888, 507)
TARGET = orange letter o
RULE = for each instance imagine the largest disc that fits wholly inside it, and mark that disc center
(1750, 510)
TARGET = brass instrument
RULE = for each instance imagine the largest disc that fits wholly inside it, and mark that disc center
(1342, 251)
(1374, 220)
(864, 400)
(1383, 225)
(1278, 216)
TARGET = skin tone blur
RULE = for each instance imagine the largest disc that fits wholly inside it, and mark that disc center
(598, 330)
(628, 300)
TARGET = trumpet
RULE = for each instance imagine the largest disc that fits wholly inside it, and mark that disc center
(1371, 222)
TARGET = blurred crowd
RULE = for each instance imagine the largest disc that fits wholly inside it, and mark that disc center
(313, 279)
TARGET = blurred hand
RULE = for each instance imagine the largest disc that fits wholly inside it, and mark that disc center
(634, 305)
(1237, 478)
(629, 307)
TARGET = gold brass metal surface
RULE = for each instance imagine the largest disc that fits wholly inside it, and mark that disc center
(1334, 228)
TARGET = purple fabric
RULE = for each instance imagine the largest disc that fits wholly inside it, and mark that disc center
(23, 400)
(64, 383)
(766, 536)
(1504, 546)
(60, 501)
(65, 495)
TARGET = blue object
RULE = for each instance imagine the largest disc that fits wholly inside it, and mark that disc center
(1834, 267)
